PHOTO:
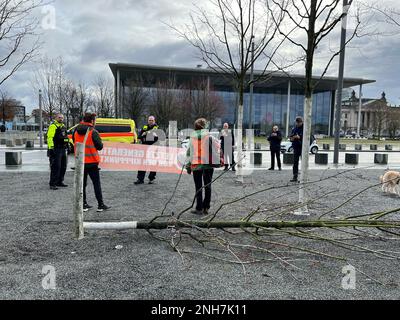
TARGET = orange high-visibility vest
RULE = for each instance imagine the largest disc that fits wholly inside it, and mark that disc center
(91, 153)
(205, 151)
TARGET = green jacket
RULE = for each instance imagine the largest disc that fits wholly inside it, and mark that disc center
(199, 134)
(57, 135)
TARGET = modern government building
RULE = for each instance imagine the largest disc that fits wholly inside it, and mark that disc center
(277, 99)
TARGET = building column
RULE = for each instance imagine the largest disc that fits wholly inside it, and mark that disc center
(359, 113)
(118, 105)
(288, 109)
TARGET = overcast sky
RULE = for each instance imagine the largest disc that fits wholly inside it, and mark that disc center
(91, 34)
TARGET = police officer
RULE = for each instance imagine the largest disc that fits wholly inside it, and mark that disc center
(148, 136)
(57, 143)
(297, 142)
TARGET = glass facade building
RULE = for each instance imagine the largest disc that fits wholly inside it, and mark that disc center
(270, 98)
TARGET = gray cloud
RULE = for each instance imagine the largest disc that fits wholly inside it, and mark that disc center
(91, 34)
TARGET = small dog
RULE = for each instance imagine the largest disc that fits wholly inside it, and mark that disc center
(390, 182)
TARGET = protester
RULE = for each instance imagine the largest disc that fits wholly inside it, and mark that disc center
(57, 144)
(227, 139)
(148, 136)
(201, 160)
(2, 128)
(92, 159)
(297, 141)
(275, 139)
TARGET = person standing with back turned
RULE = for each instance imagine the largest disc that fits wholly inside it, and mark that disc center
(92, 158)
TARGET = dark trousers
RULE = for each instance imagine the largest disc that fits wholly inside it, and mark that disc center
(276, 154)
(199, 177)
(142, 174)
(296, 158)
(58, 166)
(94, 174)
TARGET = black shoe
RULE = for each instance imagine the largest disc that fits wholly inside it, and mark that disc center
(53, 188)
(102, 207)
(139, 182)
(62, 185)
(151, 181)
(205, 212)
(271, 169)
(294, 179)
(198, 212)
(280, 169)
(86, 207)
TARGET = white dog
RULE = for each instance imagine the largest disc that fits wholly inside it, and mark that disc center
(390, 182)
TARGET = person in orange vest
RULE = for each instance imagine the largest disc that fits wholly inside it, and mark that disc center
(92, 158)
(203, 155)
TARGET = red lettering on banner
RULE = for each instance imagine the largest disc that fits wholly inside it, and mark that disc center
(137, 157)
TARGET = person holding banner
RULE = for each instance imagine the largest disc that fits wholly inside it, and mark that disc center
(202, 157)
(92, 158)
(148, 136)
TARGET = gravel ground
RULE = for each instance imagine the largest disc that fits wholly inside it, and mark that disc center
(36, 230)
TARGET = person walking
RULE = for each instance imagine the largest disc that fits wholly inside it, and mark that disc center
(275, 139)
(227, 139)
(148, 136)
(92, 159)
(57, 144)
(200, 162)
(297, 142)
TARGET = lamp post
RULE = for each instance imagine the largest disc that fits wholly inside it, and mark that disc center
(40, 120)
(346, 7)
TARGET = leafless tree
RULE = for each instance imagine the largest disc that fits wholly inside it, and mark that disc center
(19, 41)
(48, 78)
(135, 100)
(224, 32)
(393, 123)
(163, 102)
(6, 107)
(314, 21)
(103, 98)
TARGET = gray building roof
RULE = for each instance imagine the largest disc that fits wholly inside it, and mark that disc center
(185, 75)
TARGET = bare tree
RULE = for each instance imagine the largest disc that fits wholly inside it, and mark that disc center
(103, 98)
(224, 34)
(48, 78)
(6, 107)
(18, 39)
(314, 22)
(393, 123)
(135, 100)
(163, 102)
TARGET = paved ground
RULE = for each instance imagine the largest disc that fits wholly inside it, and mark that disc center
(37, 231)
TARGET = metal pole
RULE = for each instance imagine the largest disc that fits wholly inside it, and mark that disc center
(288, 109)
(251, 85)
(40, 120)
(359, 113)
(346, 7)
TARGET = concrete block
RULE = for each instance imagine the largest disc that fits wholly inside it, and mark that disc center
(321, 158)
(352, 158)
(30, 144)
(381, 158)
(256, 158)
(13, 158)
(288, 158)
